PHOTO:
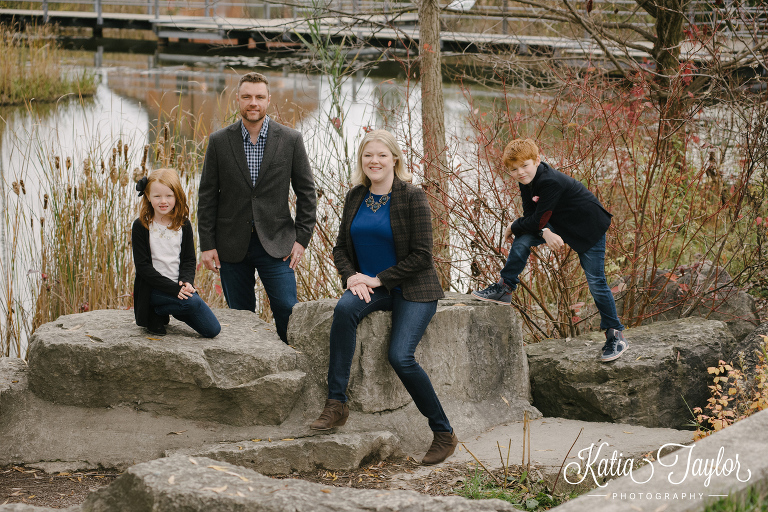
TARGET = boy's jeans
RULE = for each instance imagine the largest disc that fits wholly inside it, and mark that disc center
(593, 263)
(409, 321)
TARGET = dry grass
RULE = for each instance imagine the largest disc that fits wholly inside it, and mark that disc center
(31, 68)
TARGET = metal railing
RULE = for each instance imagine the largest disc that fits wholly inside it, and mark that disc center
(745, 20)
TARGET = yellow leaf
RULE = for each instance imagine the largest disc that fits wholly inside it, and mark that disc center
(327, 491)
(171, 479)
(228, 472)
(218, 490)
(193, 461)
(255, 440)
(627, 432)
(732, 391)
(287, 439)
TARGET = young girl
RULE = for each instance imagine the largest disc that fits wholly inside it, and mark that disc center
(164, 255)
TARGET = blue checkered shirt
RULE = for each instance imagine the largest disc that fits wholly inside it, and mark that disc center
(254, 153)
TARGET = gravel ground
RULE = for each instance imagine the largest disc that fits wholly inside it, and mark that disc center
(19, 484)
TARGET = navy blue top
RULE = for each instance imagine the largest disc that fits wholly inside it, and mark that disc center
(372, 238)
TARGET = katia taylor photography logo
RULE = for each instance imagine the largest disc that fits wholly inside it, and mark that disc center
(597, 464)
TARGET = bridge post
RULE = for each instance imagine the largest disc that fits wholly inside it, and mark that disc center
(504, 28)
(45, 11)
(157, 9)
(98, 29)
(207, 10)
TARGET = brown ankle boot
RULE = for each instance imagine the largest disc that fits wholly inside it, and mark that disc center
(334, 414)
(442, 447)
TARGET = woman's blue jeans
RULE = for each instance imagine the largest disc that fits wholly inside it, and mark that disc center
(409, 321)
(193, 311)
(592, 261)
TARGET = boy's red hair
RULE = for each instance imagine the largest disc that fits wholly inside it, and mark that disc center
(518, 151)
(169, 178)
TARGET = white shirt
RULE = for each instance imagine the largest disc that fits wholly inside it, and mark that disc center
(165, 246)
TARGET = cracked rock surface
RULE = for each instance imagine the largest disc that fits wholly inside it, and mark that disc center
(244, 376)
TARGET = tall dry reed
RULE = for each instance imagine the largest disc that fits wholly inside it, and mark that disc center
(31, 67)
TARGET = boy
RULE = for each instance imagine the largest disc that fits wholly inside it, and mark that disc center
(557, 210)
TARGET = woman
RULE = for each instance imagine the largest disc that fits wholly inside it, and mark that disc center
(384, 255)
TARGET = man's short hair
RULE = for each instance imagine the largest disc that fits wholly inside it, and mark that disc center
(254, 78)
(518, 151)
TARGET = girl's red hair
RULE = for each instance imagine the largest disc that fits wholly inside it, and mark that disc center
(169, 178)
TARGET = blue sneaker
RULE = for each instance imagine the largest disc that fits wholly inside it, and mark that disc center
(500, 293)
(615, 345)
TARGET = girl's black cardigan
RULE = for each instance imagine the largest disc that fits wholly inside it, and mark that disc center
(148, 278)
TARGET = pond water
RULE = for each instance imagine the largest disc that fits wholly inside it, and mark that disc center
(139, 92)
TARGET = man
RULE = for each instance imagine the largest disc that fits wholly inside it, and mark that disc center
(244, 218)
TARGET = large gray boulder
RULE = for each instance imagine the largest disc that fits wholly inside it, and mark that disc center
(244, 376)
(663, 373)
(699, 290)
(335, 452)
(182, 483)
(746, 353)
(472, 352)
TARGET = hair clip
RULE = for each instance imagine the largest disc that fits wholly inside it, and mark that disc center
(141, 185)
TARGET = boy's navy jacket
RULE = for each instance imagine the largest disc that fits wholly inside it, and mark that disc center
(571, 210)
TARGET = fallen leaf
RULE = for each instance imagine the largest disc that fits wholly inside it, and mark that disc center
(627, 432)
(75, 327)
(218, 490)
(506, 401)
(178, 433)
(240, 494)
(154, 339)
(171, 479)
(14, 381)
(327, 491)
(255, 440)
(239, 447)
(228, 472)
(288, 439)
(459, 304)
(193, 461)
(250, 488)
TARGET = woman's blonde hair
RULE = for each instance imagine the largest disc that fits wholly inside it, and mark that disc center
(169, 178)
(386, 138)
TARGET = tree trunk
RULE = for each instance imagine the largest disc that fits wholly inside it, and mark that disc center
(670, 17)
(433, 133)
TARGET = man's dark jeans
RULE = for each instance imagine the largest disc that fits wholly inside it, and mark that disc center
(238, 281)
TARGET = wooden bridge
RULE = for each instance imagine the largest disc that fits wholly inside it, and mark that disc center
(269, 26)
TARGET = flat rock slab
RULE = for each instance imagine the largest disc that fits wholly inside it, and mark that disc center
(335, 452)
(244, 376)
(664, 369)
(181, 483)
(727, 463)
(472, 352)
